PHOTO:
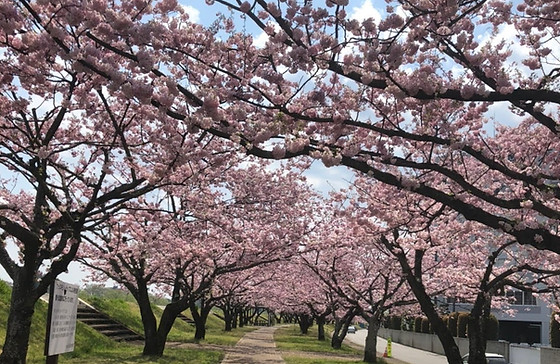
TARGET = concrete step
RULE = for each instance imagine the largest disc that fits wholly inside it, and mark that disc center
(104, 324)
(186, 319)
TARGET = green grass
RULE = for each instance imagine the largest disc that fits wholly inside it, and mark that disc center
(132, 354)
(299, 360)
(123, 311)
(128, 313)
(230, 338)
(87, 340)
(98, 290)
(290, 338)
(92, 347)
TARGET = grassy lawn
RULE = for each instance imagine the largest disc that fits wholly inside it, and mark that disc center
(290, 338)
(300, 360)
(128, 313)
(92, 347)
(132, 354)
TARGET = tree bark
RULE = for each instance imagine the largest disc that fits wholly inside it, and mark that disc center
(200, 318)
(155, 337)
(341, 328)
(305, 321)
(22, 307)
(26, 290)
(414, 280)
(228, 318)
(235, 318)
(149, 321)
(228, 308)
(476, 329)
(321, 328)
(370, 349)
(170, 313)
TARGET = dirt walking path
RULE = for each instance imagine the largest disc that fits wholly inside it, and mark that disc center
(258, 347)
(255, 347)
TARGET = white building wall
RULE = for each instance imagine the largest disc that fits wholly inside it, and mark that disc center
(539, 314)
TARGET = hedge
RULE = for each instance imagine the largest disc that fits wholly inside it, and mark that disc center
(462, 322)
(452, 322)
(457, 323)
(425, 325)
(492, 326)
(554, 331)
(396, 322)
(418, 324)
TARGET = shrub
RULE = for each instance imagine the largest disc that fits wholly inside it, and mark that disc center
(425, 325)
(492, 326)
(385, 322)
(554, 331)
(418, 324)
(396, 322)
(462, 322)
(407, 323)
(452, 322)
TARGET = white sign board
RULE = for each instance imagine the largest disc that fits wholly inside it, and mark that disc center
(63, 311)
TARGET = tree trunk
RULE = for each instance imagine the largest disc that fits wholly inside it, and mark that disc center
(228, 319)
(149, 323)
(305, 321)
(240, 316)
(26, 290)
(321, 328)
(477, 341)
(336, 340)
(170, 313)
(229, 316)
(476, 329)
(27, 287)
(440, 329)
(22, 307)
(341, 328)
(155, 336)
(235, 318)
(200, 325)
(200, 318)
(414, 280)
(370, 349)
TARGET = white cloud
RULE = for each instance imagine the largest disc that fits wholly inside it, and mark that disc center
(194, 13)
(330, 179)
(260, 40)
(365, 11)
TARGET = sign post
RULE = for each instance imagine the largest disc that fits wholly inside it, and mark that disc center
(61, 320)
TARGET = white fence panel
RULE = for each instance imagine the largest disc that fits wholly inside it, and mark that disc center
(519, 354)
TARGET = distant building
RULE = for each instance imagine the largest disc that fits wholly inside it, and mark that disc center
(530, 324)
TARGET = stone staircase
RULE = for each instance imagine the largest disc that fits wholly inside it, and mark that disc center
(104, 324)
(186, 319)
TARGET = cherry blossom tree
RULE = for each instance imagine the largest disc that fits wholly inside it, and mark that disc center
(417, 125)
(432, 97)
(350, 262)
(394, 98)
(295, 290)
(234, 292)
(72, 152)
(235, 220)
(440, 254)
